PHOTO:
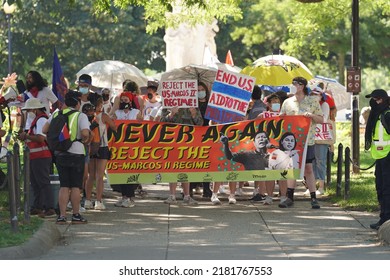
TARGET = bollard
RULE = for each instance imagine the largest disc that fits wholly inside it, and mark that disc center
(12, 195)
(339, 169)
(26, 185)
(347, 172)
(328, 168)
(16, 155)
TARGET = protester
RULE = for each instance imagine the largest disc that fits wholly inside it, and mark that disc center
(377, 139)
(106, 95)
(98, 161)
(70, 164)
(40, 159)
(126, 111)
(37, 87)
(190, 116)
(302, 104)
(152, 100)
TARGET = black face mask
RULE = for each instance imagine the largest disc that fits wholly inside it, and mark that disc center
(124, 105)
(105, 97)
(150, 95)
(90, 118)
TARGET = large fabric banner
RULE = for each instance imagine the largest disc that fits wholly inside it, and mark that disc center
(259, 150)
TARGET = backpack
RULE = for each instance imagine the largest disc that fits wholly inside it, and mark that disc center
(58, 136)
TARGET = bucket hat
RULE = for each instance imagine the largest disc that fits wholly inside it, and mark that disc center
(33, 103)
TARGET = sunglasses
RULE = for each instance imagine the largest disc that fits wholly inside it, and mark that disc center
(296, 83)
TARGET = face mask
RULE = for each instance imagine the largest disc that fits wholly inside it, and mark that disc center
(105, 97)
(31, 115)
(293, 89)
(90, 118)
(84, 90)
(275, 107)
(124, 105)
(150, 95)
(201, 94)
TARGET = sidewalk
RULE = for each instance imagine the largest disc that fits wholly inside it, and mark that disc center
(153, 230)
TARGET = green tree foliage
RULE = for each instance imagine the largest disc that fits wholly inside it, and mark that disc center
(170, 13)
(80, 37)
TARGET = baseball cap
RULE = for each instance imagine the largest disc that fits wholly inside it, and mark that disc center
(85, 78)
(378, 93)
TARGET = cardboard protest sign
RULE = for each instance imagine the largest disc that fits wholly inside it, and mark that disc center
(179, 93)
(230, 96)
(154, 152)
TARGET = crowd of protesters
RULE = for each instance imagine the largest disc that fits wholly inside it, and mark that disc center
(91, 113)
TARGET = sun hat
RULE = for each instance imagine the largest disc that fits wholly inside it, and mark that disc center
(33, 103)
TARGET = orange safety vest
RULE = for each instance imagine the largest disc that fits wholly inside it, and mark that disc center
(38, 150)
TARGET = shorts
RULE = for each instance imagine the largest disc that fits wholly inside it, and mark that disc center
(70, 169)
(310, 154)
(103, 153)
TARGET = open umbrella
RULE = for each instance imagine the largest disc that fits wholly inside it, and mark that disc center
(205, 74)
(340, 95)
(277, 70)
(112, 73)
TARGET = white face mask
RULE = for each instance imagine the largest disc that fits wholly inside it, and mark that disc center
(201, 94)
(275, 107)
(293, 89)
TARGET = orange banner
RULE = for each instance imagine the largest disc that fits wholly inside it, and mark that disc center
(153, 152)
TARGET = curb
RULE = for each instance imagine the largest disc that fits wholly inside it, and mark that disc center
(384, 233)
(40, 243)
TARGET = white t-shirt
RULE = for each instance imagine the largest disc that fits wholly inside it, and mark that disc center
(149, 107)
(47, 97)
(130, 115)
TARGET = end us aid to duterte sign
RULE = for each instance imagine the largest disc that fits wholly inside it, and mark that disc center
(230, 96)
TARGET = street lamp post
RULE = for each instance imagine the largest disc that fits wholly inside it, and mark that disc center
(9, 10)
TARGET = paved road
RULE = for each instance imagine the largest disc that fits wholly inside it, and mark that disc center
(246, 231)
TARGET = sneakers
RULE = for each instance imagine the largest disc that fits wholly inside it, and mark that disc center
(61, 220)
(170, 200)
(258, 197)
(88, 204)
(119, 202)
(189, 200)
(268, 200)
(82, 209)
(99, 205)
(286, 203)
(215, 200)
(239, 192)
(320, 192)
(78, 219)
(127, 203)
(232, 199)
(306, 193)
(222, 189)
(315, 204)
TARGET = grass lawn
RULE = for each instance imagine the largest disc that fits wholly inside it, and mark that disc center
(362, 185)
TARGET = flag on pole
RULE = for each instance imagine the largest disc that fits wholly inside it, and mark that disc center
(59, 85)
(229, 58)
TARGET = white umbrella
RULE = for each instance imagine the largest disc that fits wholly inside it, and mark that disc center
(112, 73)
(340, 95)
